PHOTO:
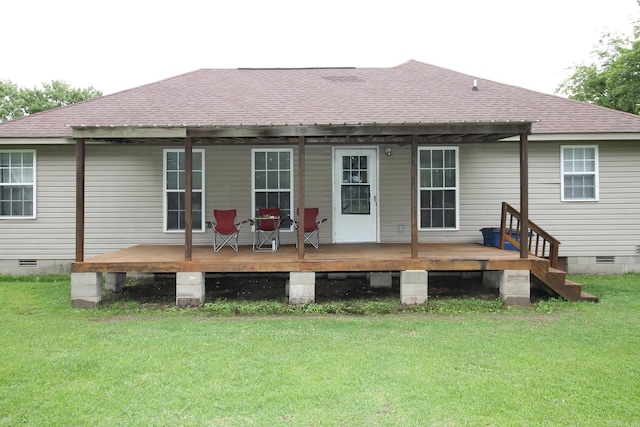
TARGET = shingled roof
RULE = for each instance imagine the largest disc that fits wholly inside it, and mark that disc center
(413, 92)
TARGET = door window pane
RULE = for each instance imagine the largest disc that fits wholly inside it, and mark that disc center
(355, 199)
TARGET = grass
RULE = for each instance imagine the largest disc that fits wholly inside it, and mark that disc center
(458, 363)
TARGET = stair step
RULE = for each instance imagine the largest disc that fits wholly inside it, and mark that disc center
(554, 280)
(588, 297)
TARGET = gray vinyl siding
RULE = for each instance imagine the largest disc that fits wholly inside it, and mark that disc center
(608, 227)
(395, 194)
(124, 197)
(51, 235)
(318, 187)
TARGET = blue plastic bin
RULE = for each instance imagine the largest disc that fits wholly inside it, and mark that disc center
(491, 237)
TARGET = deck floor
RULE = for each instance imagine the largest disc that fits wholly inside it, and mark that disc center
(339, 257)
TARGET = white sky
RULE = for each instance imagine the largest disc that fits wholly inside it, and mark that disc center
(119, 44)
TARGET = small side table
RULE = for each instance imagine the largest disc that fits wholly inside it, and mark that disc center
(266, 240)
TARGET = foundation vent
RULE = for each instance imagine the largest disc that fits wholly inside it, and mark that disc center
(27, 263)
(605, 260)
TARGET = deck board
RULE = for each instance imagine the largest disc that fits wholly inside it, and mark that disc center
(339, 257)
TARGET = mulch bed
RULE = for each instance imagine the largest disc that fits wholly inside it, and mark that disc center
(255, 287)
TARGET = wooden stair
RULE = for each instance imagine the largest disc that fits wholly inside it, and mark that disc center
(543, 245)
(554, 281)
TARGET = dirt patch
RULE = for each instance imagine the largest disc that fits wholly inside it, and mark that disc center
(161, 289)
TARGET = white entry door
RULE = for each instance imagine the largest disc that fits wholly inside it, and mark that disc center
(355, 195)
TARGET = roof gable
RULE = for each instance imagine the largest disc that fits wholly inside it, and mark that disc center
(412, 92)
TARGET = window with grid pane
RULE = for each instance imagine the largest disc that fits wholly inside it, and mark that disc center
(355, 188)
(174, 179)
(17, 184)
(579, 173)
(273, 181)
(438, 188)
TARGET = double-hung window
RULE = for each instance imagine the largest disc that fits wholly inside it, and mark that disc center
(17, 184)
(174, 189)
(272, 180)
(438, 188)
(579, 165)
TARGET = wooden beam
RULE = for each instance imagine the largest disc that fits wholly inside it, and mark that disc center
(188, 198)
(353, 257)
(524, 196)
(80, 189)
(108, 132)
(348, 130)
(414, 198)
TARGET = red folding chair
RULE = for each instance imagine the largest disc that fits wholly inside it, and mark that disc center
(225, 229)
(311, 229)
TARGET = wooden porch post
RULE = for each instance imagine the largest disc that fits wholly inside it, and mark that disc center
(301, 195)
(80, 188)
(188, 200)
(524, 196)
(414, 197)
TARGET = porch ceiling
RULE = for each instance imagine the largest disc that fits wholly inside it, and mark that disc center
(401, 133)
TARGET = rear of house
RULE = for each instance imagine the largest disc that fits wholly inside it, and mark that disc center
(583, 162)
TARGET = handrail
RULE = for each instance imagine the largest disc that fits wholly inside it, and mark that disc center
(540, 243)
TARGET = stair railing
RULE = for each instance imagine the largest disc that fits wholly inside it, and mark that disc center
(540, 243)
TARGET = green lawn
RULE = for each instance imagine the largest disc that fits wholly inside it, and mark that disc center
(457, 364)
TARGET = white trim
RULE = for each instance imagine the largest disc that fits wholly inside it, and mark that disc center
(595, 173)
(34, 185)
(164, 190)
(291, 180)
(456, 188)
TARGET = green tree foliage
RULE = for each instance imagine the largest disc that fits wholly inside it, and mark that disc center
(17, 102)
(613, 79)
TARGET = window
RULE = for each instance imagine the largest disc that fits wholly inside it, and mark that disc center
(174, 182)
(438, 188)
(579, 166)
(355, 186)
(17, 184)
(272, 181)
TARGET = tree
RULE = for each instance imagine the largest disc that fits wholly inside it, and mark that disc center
(613, 79)
(17, 102)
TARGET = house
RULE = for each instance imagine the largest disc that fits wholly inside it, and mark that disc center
(102, 187)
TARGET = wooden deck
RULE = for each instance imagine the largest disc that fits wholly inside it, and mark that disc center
(340, 257)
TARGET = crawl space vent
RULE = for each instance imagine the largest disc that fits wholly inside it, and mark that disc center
(27, 263)
(605, 260)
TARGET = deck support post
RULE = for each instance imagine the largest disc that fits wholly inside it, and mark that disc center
(189, 289)
(380, 279)
(86, 289)
(80, 194)
(301, 287)
(115, 282)
(414, 197)
(514, 286)
(414, 287)
(524, 196)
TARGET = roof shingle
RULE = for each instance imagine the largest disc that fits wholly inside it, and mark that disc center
(413, 92)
